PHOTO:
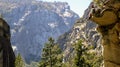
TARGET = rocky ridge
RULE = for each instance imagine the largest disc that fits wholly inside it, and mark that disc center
(33, 22)
(83, 29)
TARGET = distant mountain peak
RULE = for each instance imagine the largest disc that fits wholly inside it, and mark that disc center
(32, 23)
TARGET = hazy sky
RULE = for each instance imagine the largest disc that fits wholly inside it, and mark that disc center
(77, 6)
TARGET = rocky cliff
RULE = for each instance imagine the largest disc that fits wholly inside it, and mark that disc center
(109, 26)
(7, 56)
(105, 20)
(83, 29)
(32, 22)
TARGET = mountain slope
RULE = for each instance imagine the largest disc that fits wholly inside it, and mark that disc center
(33, 22)
(84, 30)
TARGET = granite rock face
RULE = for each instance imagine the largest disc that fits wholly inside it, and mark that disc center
(33, 22)
(83, 29)
(109, 27)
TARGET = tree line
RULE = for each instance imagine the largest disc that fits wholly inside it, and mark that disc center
(52, 56)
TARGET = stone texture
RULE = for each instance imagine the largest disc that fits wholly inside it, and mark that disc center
(110, 38)
(84, 30)
(7, 57)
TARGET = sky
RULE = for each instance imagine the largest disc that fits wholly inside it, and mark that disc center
(78, 6)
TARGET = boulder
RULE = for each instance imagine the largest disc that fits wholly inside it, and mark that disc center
(109, 27)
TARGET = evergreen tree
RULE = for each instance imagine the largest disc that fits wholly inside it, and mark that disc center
(51, 55)
(19, 61)
(79, 51)
(85, 57)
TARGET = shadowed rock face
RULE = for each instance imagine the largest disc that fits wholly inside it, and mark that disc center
(7, 57)
(110, 37)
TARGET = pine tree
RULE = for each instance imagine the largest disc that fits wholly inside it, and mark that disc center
(19, 61)
(79, 59)
(51, 55)
(84, 57)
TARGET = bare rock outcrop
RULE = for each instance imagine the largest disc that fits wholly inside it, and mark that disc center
(109, 27)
